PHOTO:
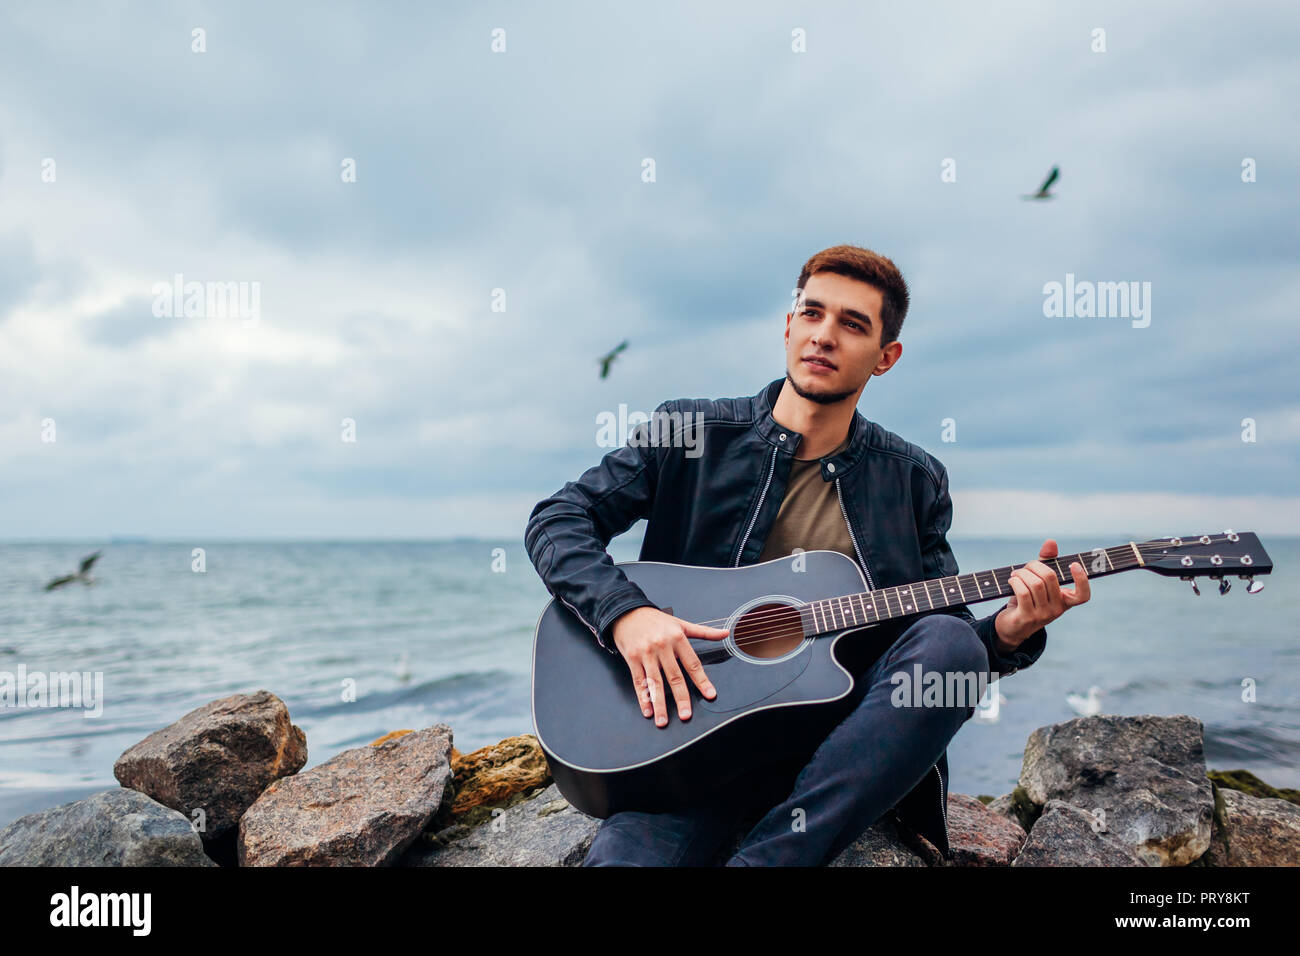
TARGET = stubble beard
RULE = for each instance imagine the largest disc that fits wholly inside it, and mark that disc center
(821, 398)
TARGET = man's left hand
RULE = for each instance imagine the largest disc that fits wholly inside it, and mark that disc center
(1038, 599)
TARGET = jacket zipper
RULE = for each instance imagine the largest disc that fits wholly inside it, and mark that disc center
(770, 471)
(943, 806)
(852, 537)
(584, 621)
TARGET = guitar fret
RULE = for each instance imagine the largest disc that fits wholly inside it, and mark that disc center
(902, 600)
(997, 586)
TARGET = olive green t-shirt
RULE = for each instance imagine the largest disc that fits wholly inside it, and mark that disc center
(810, 515)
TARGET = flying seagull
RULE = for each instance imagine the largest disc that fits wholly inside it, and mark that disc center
(1047, 184)
(607, 360)
(82, 575)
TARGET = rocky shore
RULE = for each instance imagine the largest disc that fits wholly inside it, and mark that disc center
(224, 785)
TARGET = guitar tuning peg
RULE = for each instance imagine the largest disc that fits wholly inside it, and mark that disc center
(1225, 586)
(1254, 587)
(1195, 589)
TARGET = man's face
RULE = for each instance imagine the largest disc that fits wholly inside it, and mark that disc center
(832, 340)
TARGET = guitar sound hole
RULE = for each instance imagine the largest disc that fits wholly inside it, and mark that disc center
(768, 630)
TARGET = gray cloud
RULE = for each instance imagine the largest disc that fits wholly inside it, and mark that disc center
(522, 172)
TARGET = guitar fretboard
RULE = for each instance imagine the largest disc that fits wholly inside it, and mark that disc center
(871, 607)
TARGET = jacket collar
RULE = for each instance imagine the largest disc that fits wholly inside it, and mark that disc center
(836, 466)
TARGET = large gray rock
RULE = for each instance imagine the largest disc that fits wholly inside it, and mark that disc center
(363, 807)
(217, 758)
(544, 830)
(1255, 831)
(114, 828)
(1143, 777)
(1066, 835)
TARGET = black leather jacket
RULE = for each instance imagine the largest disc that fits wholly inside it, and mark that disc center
(713, 504)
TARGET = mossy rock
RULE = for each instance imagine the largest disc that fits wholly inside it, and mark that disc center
(1027, 812)
(1249, 784)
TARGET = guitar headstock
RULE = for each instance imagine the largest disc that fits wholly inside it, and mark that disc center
(1217, 556)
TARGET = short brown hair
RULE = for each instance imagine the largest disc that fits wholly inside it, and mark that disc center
(872, 268)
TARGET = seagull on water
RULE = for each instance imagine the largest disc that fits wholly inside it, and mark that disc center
(82, 575)
(1087, 706)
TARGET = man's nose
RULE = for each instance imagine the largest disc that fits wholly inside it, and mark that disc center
(823, 338)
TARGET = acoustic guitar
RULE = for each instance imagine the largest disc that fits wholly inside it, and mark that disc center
(777, 676)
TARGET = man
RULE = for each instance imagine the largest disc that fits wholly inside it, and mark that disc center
(795, 466)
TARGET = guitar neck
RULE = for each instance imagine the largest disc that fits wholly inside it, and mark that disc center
(882, 604)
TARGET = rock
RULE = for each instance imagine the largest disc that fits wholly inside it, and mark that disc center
(1017, 808)
(980, 836)
(887, 843)
(542, 831)
(362, 807)
(120, 827)
(217, 759)
(1248, 783)
(1144, 777)
(1255, 831)
(491, 775)
(1066, 835)
(394, 734)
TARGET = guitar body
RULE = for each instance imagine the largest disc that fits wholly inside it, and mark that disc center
(606, 756)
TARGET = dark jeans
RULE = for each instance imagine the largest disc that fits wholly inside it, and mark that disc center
(863, 768)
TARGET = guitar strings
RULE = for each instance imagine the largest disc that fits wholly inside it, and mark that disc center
(767, 622)
(786, 608)
(781, 617)
(783, 630)
(1120, 551)
(787, 628)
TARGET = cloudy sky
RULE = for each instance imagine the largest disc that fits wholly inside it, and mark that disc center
(488, 176)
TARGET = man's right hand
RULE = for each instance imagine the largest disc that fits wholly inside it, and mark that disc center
(650, 641)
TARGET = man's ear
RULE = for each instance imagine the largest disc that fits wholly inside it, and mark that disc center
(892, 353)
